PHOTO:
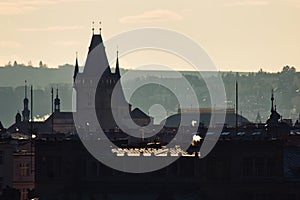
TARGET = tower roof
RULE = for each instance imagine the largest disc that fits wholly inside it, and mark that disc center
(96, 40)
(18, 114)
(97, 59)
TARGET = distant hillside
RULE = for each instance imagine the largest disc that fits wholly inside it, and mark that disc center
(254, 90)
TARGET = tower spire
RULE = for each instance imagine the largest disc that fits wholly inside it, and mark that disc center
(272, 100)
(31, 105)
(76, 70)
(117, 72)
(258, 118)
(236, 102)
(25, 111)
(57, 102)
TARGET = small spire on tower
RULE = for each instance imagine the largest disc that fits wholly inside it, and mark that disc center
(258, 118)
(272, 100)
(57, 102)
(25, 111)
(76, 70)
(117, 71)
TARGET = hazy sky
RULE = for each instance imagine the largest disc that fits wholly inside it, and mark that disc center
(239, 35)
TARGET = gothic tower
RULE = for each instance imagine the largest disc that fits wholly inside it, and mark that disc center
(97, 84)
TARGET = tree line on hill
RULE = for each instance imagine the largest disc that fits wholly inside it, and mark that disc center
(254, 90)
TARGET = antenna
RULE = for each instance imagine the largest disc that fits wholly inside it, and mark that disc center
(52, 110)
(25, 88)
(31, 128)
(100, 29)
(57, 91)
(31, 98)
(236, 104)
(272, 100)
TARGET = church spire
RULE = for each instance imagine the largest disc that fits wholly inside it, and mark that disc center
(57, 102)
(258, 118)
(117, 71)
(76, 70)
(272, 100)
(25, 111)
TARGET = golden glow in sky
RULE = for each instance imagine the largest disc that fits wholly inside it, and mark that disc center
(239, 35)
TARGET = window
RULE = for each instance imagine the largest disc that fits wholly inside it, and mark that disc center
(218, 169)
(247, 166)
(93, 169)
(261, 196)
(27, 169)
(1, 183)
(271, 166)
(24, 169)
(173, 169)
(259, 167)
(292, 196)
(1, 158)
(24, 194)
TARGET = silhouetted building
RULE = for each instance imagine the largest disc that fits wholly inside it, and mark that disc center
(274, 124)
(197, 116)
(10, 194)
(6, 164)
(23, 168)
(16, 169)
(106, 83)
(235, 169)
(252, 161)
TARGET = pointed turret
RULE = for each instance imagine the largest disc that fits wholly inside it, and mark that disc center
(258, 118)
(25, 111)
(117, 71)
(18, 118)
(57, 102)
(272, 100)
(275, 116)
(76, 70)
